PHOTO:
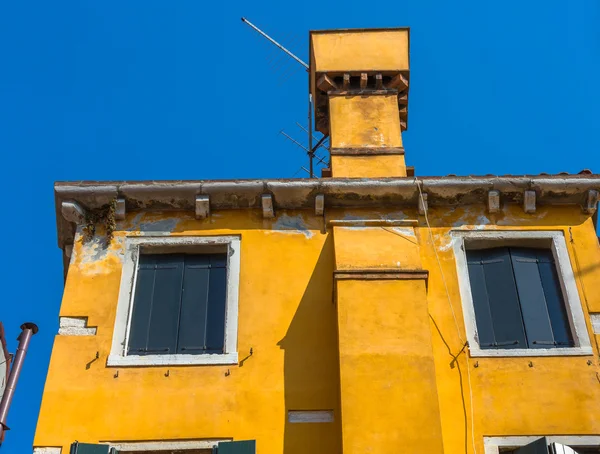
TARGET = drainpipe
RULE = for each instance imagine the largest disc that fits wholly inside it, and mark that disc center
(28, 330)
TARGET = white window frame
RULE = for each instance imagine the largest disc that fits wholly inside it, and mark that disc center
(461, 238)
(492, 445)
(133, 244)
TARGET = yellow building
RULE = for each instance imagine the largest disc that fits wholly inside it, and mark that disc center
(367, 312)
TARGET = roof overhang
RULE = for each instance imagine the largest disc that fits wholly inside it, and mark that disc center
(301, 193)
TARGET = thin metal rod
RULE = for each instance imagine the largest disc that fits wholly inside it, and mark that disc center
(320, 143)
(246, 21)
(28, 330)
(295, 141)
(311, 153)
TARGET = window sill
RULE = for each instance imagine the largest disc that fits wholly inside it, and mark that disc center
(173, 360)
(531, 352)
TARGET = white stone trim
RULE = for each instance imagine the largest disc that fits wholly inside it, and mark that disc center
(595, 323)
(118, 356)
(72, 212)
(319, 204)
(568, 285)
(492, 445)
(310, 416)
(267, 206)
(202, 206)
(493, 201)
(120, 209)
(529, 201)
(44, 450)
(168, 446)
(75, 326)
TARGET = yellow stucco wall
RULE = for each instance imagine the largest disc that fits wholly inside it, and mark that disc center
(288, 317)
(368, 166)
(360, 50)
(364, 121)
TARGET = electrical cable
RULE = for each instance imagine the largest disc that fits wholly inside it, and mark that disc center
(453, 314)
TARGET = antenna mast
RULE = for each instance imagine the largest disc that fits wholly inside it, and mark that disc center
(264, 35)
(310, 150)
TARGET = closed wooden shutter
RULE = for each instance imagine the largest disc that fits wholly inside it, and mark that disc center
(179, 305)
(483, 315)
(217, 295)
(557, 310)
(86, 448)
(533, 300)
(202, 322)
(502, 299)
(518, 299)
(237, 447)
(155, 318)
(194, 303)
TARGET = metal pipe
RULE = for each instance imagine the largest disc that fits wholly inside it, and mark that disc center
(246, 21)
(311, 152)
(28, 330)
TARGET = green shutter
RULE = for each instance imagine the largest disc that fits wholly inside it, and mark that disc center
(532, 298)
(86, 448)
(166, 303)
(217, 297)
(481, 302)
(237, 447)
(537, 447)
(503, 299)
(554, 299)
(194, 302)
(155, 319)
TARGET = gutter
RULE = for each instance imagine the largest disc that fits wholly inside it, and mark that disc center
(301, 193)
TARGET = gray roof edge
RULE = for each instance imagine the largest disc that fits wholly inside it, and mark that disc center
(300, 194)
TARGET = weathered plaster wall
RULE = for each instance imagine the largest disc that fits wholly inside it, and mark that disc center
(365, 122)
(287, 316)
(550, 396)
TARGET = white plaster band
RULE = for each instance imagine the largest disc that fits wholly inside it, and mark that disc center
(595, 323)
(308, 416)
(75, 326)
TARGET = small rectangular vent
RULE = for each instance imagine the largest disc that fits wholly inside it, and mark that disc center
(310, 416)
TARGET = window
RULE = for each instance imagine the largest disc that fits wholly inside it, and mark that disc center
(517, 298)
(554, 444)
(177, 302)
(519, 294)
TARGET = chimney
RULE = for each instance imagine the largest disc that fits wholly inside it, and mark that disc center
(359, 83)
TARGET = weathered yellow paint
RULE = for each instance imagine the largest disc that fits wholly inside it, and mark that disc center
(286, 317)
(362, 120)
(386, 356)
(368, 166)
(366, 122)
(391, 342)
(360, 50)
(387, 372)
(376, 247)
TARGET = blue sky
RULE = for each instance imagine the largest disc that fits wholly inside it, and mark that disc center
(183, 90)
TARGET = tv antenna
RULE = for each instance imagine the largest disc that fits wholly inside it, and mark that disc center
(310, 150)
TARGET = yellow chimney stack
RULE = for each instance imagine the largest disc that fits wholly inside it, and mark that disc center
(359, 82)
